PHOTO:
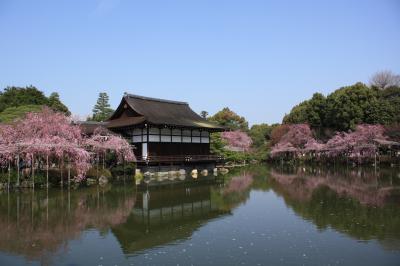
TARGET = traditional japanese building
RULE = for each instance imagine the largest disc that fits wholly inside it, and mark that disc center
(163, 131)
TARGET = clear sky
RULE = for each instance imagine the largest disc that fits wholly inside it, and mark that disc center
(257, 57)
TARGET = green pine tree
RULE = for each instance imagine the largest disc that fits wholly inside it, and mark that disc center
(55, 104)
(102, 110)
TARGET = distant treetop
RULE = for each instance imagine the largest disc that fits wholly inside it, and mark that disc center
(230, 119)
(351, 105)
(15, 102)
(102, 110)
(385, 79)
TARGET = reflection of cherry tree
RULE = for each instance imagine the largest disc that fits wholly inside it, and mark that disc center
(360, 186)
(237, 139)
(238, 184)
(351, 202)
(236, 191)
(37, 226)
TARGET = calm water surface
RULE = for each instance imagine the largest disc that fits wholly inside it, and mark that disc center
(253, 216)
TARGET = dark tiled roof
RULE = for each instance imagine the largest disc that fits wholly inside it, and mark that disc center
(88, 127)
(125, 122)
(162, 112)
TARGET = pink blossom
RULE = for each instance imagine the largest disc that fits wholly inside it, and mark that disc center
(359, 143)
(43, 134)
(103, 141)
(295, 139)
(237, 140)
(238, 184)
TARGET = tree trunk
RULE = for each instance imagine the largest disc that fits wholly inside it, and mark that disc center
(47, 170)
(61, 170)
(33, 171)
(69, 173)
(18, 169)
(123, 167)
(104, 159)
(9, 174)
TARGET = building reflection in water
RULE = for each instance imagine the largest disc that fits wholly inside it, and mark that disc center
(167, 214)
(360, 203)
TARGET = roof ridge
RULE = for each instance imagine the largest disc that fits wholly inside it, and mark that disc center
(153, 99)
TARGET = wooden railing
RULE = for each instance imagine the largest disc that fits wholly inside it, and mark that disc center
(181, 158)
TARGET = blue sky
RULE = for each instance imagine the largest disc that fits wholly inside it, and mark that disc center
(257, 57)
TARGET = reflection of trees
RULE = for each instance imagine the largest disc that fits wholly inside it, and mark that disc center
(238, 184)
(235, 191)
(365, 186)
(36, 225)
(355, 204)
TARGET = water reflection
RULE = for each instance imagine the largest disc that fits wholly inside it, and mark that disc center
(363, 204)
(37, 224)
(162, 216)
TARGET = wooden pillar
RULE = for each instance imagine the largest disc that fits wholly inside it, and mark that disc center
(147, 144)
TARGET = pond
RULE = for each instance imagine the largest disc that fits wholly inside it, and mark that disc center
(261, 215)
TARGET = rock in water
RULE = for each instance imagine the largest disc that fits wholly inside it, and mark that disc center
(182, 172)
(103, 180)
(90, 181)
(223, 171)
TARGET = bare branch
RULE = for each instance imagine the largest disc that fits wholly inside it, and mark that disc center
(385, 79)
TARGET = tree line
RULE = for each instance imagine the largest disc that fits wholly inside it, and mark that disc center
(15, 102)
(342, 110)
(346, 107)
(377, 103)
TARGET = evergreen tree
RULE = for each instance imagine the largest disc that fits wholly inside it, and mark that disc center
(230, 119)
(55, 104)
(102, 110)
(204, 114)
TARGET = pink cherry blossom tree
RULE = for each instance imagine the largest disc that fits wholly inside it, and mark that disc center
(357, 144)
(237, 140)
(43, 135)
(103, 141)
(298, 137)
